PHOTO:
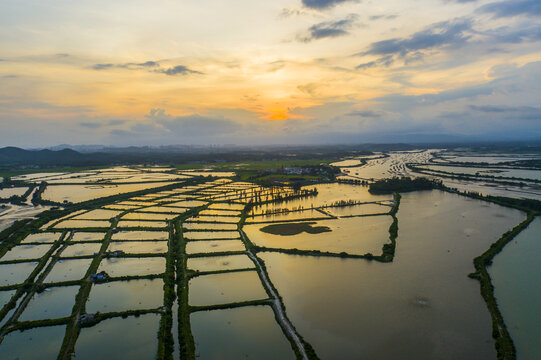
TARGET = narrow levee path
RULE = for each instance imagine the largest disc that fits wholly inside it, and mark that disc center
(276, 303)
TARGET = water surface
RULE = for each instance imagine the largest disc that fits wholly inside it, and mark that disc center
(420, 306)
(139, 339)
(515, 274)
(249, 332)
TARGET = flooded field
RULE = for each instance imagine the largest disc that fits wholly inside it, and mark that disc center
(246, 301)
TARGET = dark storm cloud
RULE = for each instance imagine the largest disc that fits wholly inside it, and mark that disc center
(447, 33)
(322, 4)
(178, 70)
(330, 29)
(511, 8)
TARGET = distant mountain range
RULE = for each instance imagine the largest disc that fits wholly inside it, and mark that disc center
(98, 155)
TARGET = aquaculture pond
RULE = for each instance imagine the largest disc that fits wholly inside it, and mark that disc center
(67, 270)
(117, 296)
(84, 249)
(288, 216)
(209, 226)
(209, 235)
(99, 214)
(42, 238)
(52, 303)
(102, 341)
(78, 224)
(226, 206)
(148, 216)
(420, 306)
(328, 194)
(139, 247)
(132, 266)
(141, 224)
(79, 193)
(196, 247)
(16, 273)
(358, 210)
(5, 296)
(483, 171)
(515, 274)
(14, 191)
(218, 263)
(219, 219)
(243, 333)
(87, 236)
(21, 252)
(226, 288)
(355, 235)
(33, 344)
(141, 235)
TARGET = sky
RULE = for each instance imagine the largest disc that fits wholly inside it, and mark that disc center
(253, 72)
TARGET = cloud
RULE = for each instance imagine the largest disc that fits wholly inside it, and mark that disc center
(100, 124)
(382, 61)
(520, 112)
(446, 33)
(365, 113)
(322, 4)
(103, 66)
(520, 33)
(178, 70)
(193, 125)
(382, 17)
(152, 66)
(91, 125)
(512, 8)
(329, 29)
